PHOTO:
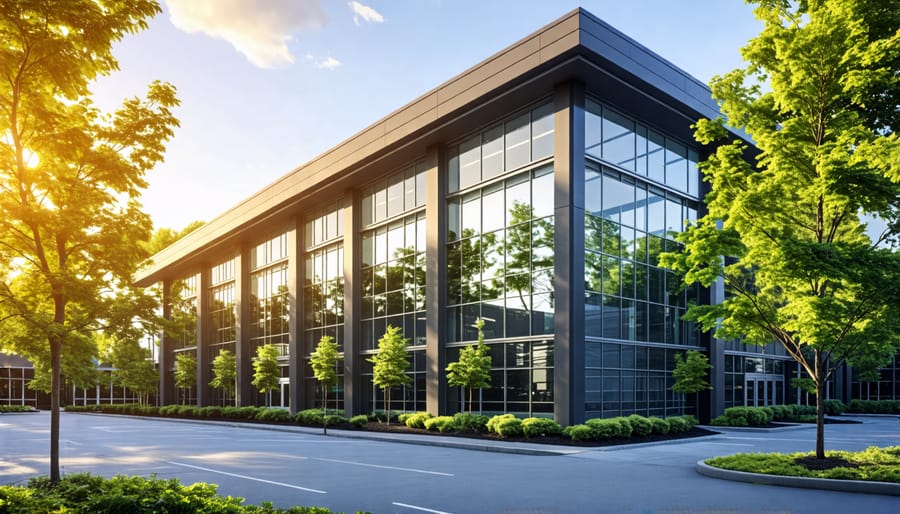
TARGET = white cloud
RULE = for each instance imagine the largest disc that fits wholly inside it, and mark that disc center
(365, 12)
(259, 29)
(324, 63)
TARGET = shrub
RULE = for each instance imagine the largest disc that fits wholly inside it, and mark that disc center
(359, 421)
(414, 419)
(465, 422)
(439, 423)
(781, 412)
(625, 429)
(835, 407)
(273, 414)
(540, 427)
(213, 412)
(757, 416)
(334, 419)
(804, 410)
(248, 412)
(492, 423)
(677, 425)
(659, 425)
(309, 417)
(580, 432)
(509, 427)
(692, 421)
(604, 428)
(640, 425)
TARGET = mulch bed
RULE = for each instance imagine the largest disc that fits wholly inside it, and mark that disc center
(811, 463)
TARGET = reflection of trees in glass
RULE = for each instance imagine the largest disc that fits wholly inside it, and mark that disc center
(181, 327)
(464, 264)
(529, 246)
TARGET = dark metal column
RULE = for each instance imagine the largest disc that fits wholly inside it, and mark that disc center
(244, 389)
(167, 393)
(204, 359)
(436, 283)
(353, 360)
(295, 315)
(568, 165)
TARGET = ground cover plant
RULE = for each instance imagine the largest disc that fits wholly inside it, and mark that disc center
(872, 464)
(86, 493)
(17, 408)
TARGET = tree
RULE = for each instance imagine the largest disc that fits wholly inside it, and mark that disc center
(390, 364)
(473, 369)
(185, 373)
(324, 364)
(70, 176)
(224, 368)
(798, 267)
(133, 368)
(690, 373)
(266, 371)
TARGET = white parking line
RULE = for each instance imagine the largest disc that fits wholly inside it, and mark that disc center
(411, 470)
(247, 478)
(418, 508)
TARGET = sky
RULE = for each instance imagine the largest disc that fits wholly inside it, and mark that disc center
(267, 85)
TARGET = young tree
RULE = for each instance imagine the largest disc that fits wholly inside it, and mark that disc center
(324, 365)
(690, 373)
(390, 364)
(266, 371)
(818, 97)
(70, 176)
(473, 369)
(185, 373)
(224, 368)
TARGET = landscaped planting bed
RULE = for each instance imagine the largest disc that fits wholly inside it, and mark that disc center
(872, 464)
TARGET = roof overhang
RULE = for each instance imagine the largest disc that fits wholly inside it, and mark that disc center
(577, 46)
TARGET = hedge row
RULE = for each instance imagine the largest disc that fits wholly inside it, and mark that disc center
(604, 429)
(86, 493)
(756, 416)
(875, 406)
(17, 408)
(503, 425)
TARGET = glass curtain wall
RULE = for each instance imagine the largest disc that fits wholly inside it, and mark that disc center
(182, 331)
(323, 294)
(393, 279)
(221, 317)
(641, 189)
(500, 259)
(269, 304)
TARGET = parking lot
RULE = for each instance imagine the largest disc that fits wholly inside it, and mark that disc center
(302, 467)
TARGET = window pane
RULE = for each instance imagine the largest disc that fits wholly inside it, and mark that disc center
(518, 151)
(592, 132)
(470, 162)
(618, 139)
(493, 206)
(592, 190)
(516, 196)
(656, 163)
(542, 132)
(395, 195)
(453, 170)
(471, 215)
(409, 189)
(542, 195)
(676, 165)
(492, 153)
(693, 173)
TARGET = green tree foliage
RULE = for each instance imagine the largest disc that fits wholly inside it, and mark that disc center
(185, 373)
(266, 371)
(799, 268)
(390, 364)
(70, 179)
(690, 373)
(473, 369)
(324, 365)
(224, 368)
(133, 368)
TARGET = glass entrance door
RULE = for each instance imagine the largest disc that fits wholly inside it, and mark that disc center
(761, 390)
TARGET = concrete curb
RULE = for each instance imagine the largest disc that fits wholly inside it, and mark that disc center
(847, 486)
(786, 428)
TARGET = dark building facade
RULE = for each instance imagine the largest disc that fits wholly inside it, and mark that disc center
(535, 191)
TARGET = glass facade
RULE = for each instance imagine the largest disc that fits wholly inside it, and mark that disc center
(640, 191)
(393, 278)
(221, 316)
(323, 294)
(887, 387)
(181, 333)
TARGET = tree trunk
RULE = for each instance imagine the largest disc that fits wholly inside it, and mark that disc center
(820, 406)
(324, 410)
(387, 404)
(55, 376)
(470, 401)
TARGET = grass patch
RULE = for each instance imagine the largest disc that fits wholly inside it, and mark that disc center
(873, 464)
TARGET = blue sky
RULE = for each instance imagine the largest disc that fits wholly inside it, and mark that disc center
(267, 85)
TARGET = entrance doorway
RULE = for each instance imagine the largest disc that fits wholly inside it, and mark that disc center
(285, 396)
(761, 390)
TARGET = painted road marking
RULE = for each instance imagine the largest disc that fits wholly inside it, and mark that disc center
(408, 506)
(411, 470)
(282, 484)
